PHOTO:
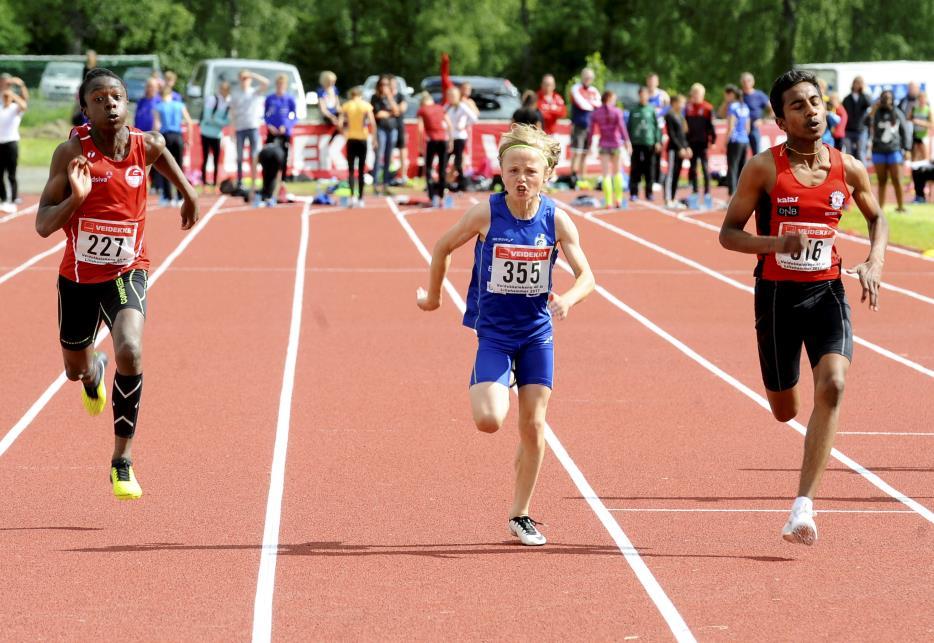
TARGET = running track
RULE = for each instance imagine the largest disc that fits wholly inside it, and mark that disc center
(311, 472)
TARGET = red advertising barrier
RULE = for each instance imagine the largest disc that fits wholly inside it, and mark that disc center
(318, 152)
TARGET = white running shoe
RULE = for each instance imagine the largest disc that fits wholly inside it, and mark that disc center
(524, 528)
(801, 527)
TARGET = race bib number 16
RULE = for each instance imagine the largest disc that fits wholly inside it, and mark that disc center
(106, 242)
(818, 253)
(520, 270)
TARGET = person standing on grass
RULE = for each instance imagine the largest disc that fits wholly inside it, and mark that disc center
(737, 135)
(401, 143)
(434, 130)
(386, 111)
(922, 122)
(96, 194)
(144, 120)
(838, 132)
(167, 120)
(610, 125)
(12, 108)
(358, 124)
(646, 144)
(584, 99)
(511, 304)
(889, 137)
(528, 112)
(550, 104)
(678, 149)
(215, 118)
(798, 190)
(758, 104)
(698, 114)
(280, 116)
(857, 106)
(246, 114)
(462, 116)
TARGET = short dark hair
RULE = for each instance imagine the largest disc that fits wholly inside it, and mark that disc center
(785, 82)
(91, 76)
(732, 89)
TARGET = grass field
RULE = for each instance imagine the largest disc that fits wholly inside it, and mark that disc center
(913, 229)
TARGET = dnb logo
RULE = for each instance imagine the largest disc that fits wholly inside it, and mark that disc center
(837, 199)
(788, 211)
(134, 176)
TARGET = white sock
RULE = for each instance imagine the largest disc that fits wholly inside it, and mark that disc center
(803, 503)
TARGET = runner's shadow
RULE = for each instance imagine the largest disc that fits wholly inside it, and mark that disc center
(846, 470)
(710, 499)
(52, 528)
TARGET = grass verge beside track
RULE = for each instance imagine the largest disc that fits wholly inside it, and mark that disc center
(912, 229)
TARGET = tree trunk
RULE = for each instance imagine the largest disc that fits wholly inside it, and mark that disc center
(785, 52)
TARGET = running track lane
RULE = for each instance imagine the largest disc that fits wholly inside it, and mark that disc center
(395, 507)
(182, 561)
(653, 430)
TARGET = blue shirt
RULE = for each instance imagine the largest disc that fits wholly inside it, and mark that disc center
(740, 112)
(503, 261)
(756, 101)
(280, 111)
(144, 109)
(170, 115)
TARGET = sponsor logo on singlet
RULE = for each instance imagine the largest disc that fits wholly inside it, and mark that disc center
(102, 179)
(788, 211)
(540, 241)
(836, 199)
(134, 176)
(787, 199)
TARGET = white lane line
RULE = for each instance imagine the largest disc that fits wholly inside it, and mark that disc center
(874, 479)
(32, 261)
(669, 612)
(19, 213)
(708, 226)
(760, 511)
(736, 284)
(266, 579)
(55, 386)
(881, 433)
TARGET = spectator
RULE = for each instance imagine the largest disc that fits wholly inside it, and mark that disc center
(358, 124)
(434, 127)
(737, 135)
(215, 117)
(90, 62)
(281, 118)
(329, 104)
(386, 111)
(462, 116)
(921, 174)
(528, 113)
(170, 79)
(759, 109)
(400, 130)
(646, 136)
(246, 114)
(12, 108)
(889, 138)
(143, 120)
(77, 114)
(550, 104)
(584, 99)
(699, 117)
(607, 120)
(273, 158)
(857, 106)
(678, 148)
(660, 101)
(921, 123)
(838, 132)
(466, 96)
(167, 119)
(910, 99)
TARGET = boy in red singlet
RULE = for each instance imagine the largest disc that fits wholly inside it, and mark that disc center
(798, 191)
(96, 193)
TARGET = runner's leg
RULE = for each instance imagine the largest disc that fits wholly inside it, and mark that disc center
(829, 380)
(533, 403)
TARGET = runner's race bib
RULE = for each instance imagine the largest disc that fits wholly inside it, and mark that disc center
(106, 242)
(818, 253)
(520, 270)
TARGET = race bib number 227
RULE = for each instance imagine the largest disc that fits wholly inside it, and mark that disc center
(102, 242)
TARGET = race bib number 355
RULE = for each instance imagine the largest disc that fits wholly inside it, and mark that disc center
(818, 253)
(106, 242)
(520, 270)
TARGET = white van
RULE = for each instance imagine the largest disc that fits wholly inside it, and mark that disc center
(890, 74)
(208, 74)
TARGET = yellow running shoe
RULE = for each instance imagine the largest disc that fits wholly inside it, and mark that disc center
(124, 480)
(95, 399)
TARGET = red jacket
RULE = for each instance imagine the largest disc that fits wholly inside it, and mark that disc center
(840, 130)
(551, 109)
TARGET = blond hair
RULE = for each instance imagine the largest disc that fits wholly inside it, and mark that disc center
(327, 77)
(521, 134)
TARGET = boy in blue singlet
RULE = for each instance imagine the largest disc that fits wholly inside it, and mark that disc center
(510, 304)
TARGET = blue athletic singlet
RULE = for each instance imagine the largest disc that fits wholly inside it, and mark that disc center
(511, 279)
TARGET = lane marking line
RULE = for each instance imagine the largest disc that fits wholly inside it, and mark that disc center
(873, 478)
(736, 284)
(758, 511)
(56, 385)
(32, 261)
(666, 607)
(266, 578)
(20, 213)
(881, 433)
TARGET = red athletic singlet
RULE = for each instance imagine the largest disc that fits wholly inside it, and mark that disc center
(106, 233)
(791, 208)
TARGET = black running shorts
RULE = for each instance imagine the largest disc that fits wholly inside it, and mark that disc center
(791, 313)
(81, 307)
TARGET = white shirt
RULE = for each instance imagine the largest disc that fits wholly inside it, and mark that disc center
(246, 109)
(461, 117)
(10, 117)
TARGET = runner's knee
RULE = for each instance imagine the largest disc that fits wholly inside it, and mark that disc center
(829, 389)
(488, 423)
(129, 356)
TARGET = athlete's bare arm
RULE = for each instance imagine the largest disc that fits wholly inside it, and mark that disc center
(756, 179)
(475, 222)
(569, 239)
(870, 271)
(68, 186)
(165, 163)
